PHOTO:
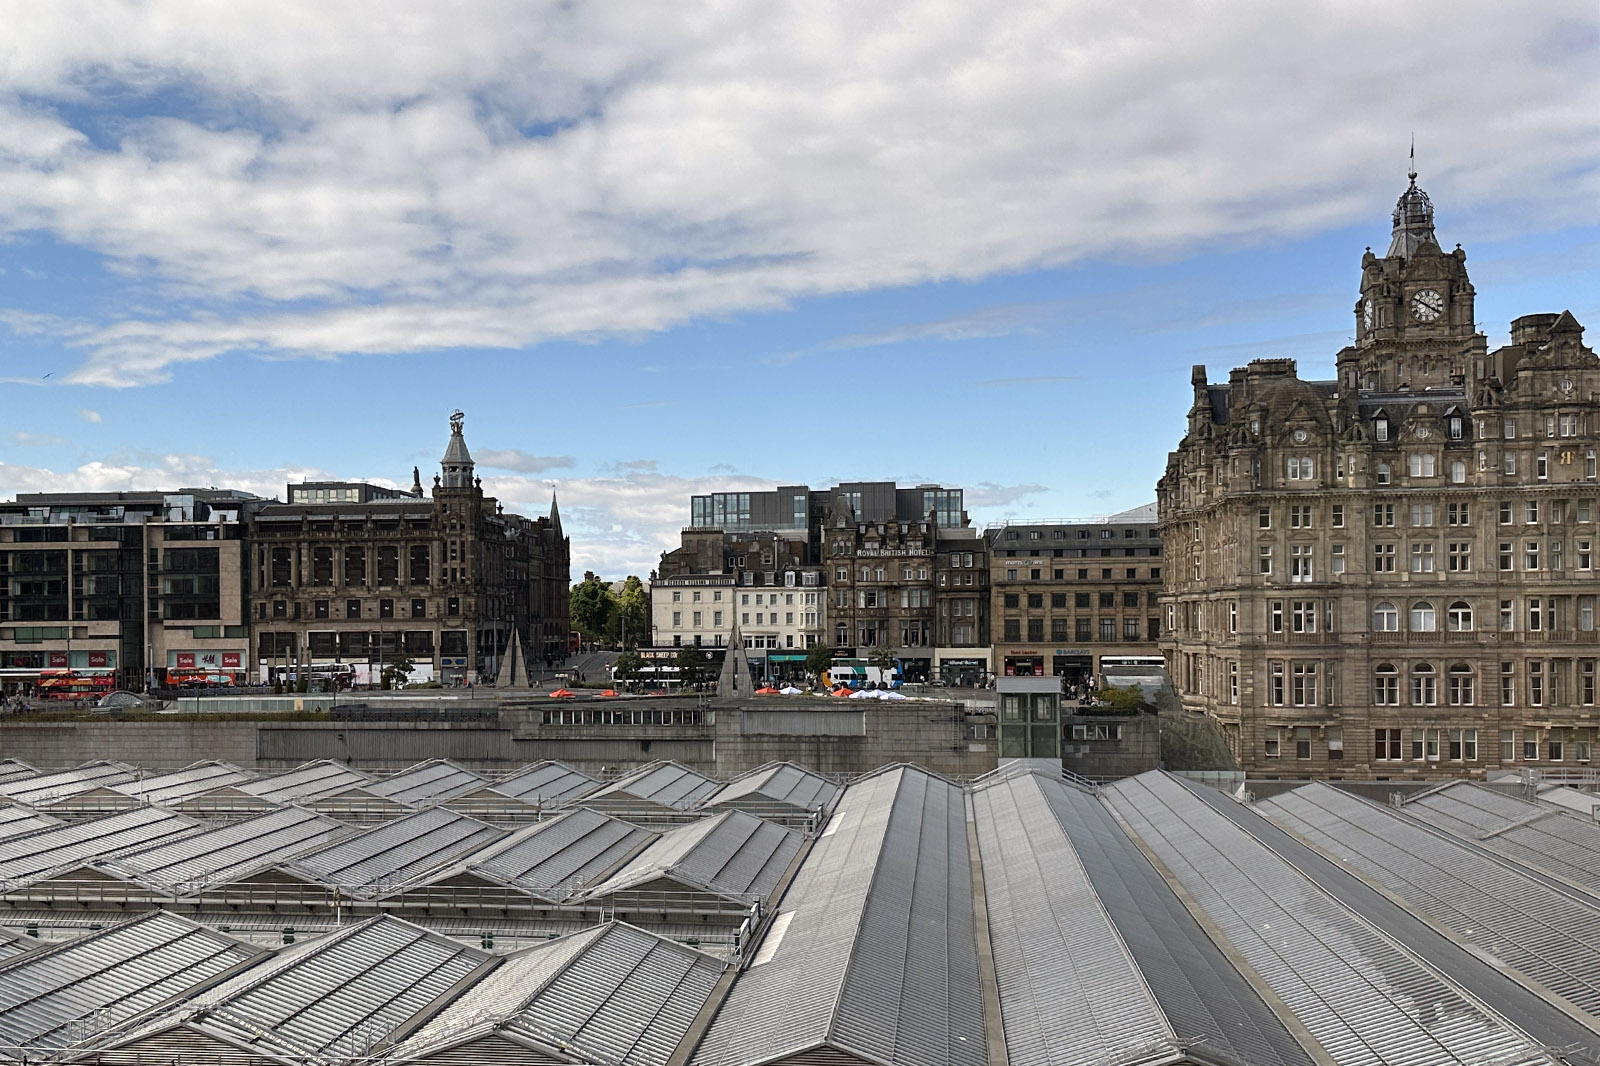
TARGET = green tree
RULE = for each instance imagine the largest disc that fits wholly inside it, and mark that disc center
(627, 666)
(397, 672)
(1129, 700)
(590, 606)
(630, 614)
(691, 664)
(819, 658)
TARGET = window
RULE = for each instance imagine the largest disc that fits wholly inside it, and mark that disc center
(1420, 465)
(1383, 514)
(352, 608)
(1422, 514)
(1385, 619)
(1108, 629)
(1335, 742)
(1456, 427)
(1586, 613)
(1569, 425)
(1383, 473)
(1459, 685)
(1336, 516)
(1509, 462)
(1458, 514)
(1386, 686)
(1301, 467)
(1464, 745)
(1508, 684)
(1380, 428)
(1424, 685)
(1459, 558)
(1422, 558)
(1336, 558)
(1541, 466)
(1276, 690)
(1585, 554)
(319, 609)
(1383, 556)
(1530, 555)
(1303, 616)
(1303, 686)
(1264, 518)
(1272, 740)
(1535, 683)
(1530, 512)
(1233, 682)
(1302, 742)
(1504, 555)
(1422, 617)
(1264, 559)
(1233, 616)
(1275, 616)
(1300, 516)
(1555, 744)
(1508, 745)
(1300, 563)
(1386, 745)
(1458, 618)
(1586, 682)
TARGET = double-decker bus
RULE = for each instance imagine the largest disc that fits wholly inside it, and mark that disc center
(75, 684)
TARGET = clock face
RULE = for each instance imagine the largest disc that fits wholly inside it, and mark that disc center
(1427, 305)
(1300, 436)
(1366, 313)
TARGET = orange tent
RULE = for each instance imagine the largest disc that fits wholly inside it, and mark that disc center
(841, 691)
(766, 691)
(609, 692)
(562, 694)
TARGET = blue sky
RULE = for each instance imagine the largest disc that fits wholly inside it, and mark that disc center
(701, 247)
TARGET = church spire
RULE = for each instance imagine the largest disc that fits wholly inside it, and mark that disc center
(555, 514)
(456, 466)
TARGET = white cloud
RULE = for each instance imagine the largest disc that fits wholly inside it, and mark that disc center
(89, 416)
(521, 461)
(416, 176)
(36, 440)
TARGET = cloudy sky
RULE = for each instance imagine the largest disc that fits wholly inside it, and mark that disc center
(659, 249)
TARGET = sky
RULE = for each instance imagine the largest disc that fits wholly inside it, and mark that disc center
(653, 250)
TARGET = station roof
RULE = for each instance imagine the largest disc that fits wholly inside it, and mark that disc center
(385, 858)
(560, 857)
(777, 790)
(32, 856)
(614, 995)
(222, 854)
(429, 782)
(111, 975)
(733, 855)
(662, 786)
(41, 790)
(551, 783)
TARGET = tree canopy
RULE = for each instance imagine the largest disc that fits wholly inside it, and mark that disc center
(591, 606)
(819, 658)
(616, 617)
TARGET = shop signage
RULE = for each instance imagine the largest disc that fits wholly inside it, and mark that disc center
(899, 553)
(58, 659)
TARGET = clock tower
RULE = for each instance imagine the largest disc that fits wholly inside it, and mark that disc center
(1414, 318)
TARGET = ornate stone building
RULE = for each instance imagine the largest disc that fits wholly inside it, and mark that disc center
(362, 575)
(1391, 574)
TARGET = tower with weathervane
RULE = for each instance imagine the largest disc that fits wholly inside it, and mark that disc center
(1392, 574)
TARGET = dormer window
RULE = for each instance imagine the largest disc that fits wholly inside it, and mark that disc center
(1456, 427)
(1380, 428)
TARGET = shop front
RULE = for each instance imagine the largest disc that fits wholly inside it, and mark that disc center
(69, 675)
(204, 668)
(1022, 662)
(789, 666)
(963, 670)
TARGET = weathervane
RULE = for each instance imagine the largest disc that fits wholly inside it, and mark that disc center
(456, 418)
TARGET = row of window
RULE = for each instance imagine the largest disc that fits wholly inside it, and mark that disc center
(1083, 629)
(1081, 600)
(322, 609)
(1422, 557)
(1441, 744)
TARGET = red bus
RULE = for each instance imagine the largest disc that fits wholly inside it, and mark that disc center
(75, 684)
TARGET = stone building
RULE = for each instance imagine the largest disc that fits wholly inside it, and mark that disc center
(106, 590)
(1063, 595)
(360, 575)
(1391, 574)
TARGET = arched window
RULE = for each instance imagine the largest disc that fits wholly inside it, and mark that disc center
(1459, 691)
(1458, 618)
(1420, 465)
(1385, 685)
(1423, 619)
(1385, 619)
(1424, 685)
(1458, 473)
(1383, 473)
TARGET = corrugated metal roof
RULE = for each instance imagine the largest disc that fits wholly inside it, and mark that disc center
(330, 998)
(1358, 993)
(41, 790)
(734, 855)
(664, 784)
(310, 781)
(428, 782)
(558, 858)
(381, 860)
(1544, 838)
(551, 783)
(879, 955)
(16, 820)
(163, 790)
(38, 854)
(1526, 923)
(781, 785)
(69, 993)
(12, 944)
(615, 996)
(227, 853)
(11, 769)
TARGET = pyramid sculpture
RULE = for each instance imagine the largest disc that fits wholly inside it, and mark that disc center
(735, 677)
(514, 668)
